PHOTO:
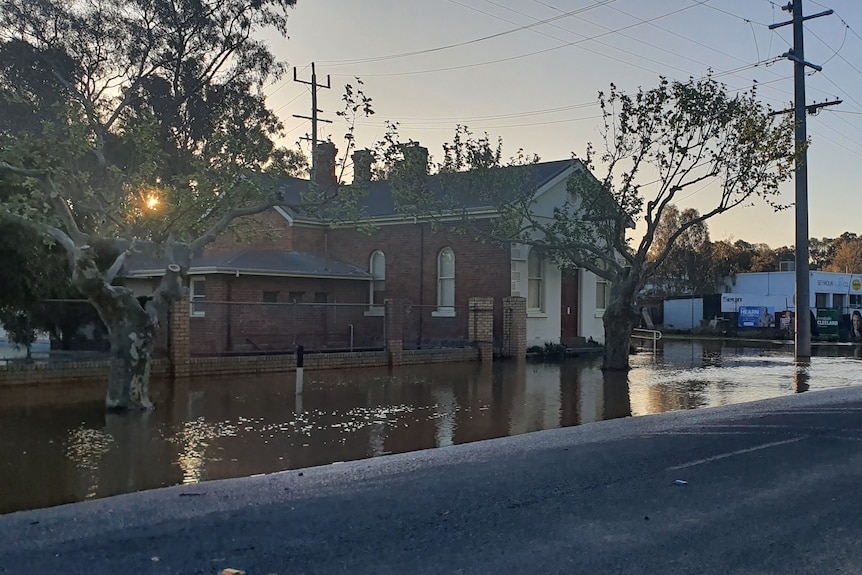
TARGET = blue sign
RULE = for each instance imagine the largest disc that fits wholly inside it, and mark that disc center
(756, 316)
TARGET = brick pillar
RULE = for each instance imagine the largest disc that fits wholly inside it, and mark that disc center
(481, 326)
(179, 337)
(394, 328)
(514, 327)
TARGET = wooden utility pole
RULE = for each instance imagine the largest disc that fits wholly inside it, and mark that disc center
(803, 291)
(314, 111)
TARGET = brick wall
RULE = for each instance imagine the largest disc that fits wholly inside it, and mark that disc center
(481, 329)
(211, 366)
(237, 320)
(411, 252)
(514, 327)
(178, 344)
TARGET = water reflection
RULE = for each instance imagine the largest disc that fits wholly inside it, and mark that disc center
(57, 445)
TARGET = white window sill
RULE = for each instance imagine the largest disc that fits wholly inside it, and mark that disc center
(600, 313)
(197, 314)
(374, 312)
(443, 313)
(536, 313)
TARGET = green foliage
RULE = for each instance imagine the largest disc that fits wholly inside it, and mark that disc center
(149, 116)
(687, 267)
(554, 351)
(19, 328)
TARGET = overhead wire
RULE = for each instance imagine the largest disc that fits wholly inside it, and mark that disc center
(641, 56)
(466, 42)
(543, 51)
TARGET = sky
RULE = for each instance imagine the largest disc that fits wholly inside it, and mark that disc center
(529, 71)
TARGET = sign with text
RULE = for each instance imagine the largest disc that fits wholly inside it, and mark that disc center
(784, 322)
(756, 316)
(827, 322)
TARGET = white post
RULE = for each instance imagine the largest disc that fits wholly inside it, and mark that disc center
(300, 361)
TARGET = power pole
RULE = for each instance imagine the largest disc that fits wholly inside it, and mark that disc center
(314, 110)
(803, 291)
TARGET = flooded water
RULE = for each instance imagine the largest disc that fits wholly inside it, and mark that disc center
(57, 444)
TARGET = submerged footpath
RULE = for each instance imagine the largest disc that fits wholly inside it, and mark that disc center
(767, 487)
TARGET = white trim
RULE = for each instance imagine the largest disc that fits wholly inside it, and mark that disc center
(564, 175)
(195, 298)
(376, 278)
(445, 309)
(541, 279)
(283, 213)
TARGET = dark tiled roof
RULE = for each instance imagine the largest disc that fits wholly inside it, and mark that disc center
(253, 261)
(380, 203)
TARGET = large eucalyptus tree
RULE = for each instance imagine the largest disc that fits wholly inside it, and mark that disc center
(136, 120)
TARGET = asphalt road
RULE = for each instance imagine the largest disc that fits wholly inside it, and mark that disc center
(772, 487)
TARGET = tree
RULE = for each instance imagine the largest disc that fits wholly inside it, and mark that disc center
(680, 137)
(848, 255)
(136, 119)
(684, 134)
(730, 258)
(685, 269)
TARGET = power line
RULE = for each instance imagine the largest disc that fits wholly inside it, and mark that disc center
(546, 50)
(641, 56)
(465, 43)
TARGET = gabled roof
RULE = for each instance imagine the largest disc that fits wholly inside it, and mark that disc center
(268, 262)
(379, 202)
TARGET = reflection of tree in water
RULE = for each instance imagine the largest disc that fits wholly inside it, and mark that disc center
(618, 402)
(589, 394)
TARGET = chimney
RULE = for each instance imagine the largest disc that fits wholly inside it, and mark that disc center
(362, 160)
(415, 158)
(323, 165)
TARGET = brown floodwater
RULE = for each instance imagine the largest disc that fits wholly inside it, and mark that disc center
(57, 444)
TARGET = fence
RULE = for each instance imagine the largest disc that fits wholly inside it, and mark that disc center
(76, 332)
(428, 327)
(236, 328)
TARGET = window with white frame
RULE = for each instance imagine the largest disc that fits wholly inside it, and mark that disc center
(377, 267)
(535, 281)
(603, 292)
(197, 296)
(446, 281)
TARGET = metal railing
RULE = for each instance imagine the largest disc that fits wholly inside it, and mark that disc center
(647, 334)
(254, 328)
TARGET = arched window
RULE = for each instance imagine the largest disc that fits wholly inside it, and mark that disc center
(377, 267)
(535, 281)
(446, 281)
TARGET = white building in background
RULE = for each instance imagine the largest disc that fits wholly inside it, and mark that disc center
(776, 289)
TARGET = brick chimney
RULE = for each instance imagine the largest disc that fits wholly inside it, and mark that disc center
(323, 162)
(415, 157)
(362, 161)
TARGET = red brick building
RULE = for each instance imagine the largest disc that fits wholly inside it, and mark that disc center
(308, 283)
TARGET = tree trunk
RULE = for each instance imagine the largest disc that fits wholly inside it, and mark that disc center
(619, 320)
(132, 326)
(132, 333)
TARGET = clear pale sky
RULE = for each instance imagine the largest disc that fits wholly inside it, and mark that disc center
(529, 71)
